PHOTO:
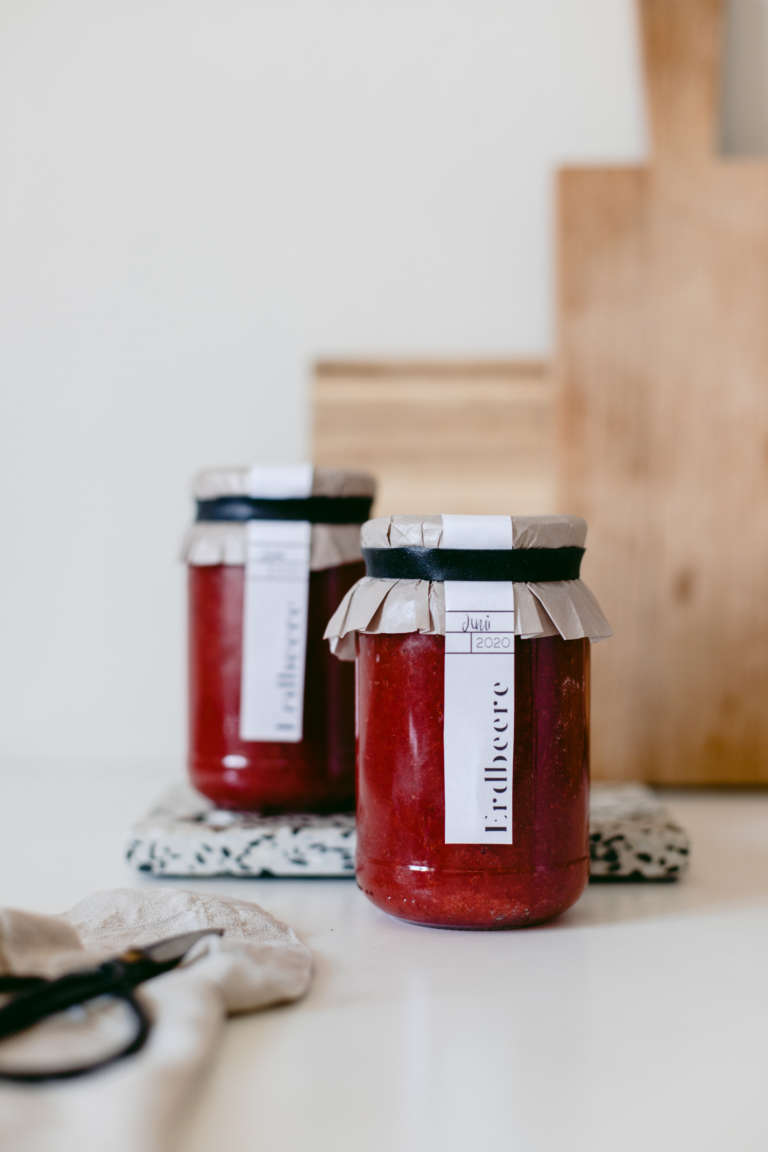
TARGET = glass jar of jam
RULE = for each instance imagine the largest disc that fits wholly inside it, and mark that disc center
(472, 638)
(270, 712)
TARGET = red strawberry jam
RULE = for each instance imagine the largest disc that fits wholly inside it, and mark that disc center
(403, 863)
(316, 774)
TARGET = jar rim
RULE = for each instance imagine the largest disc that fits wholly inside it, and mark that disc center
(217, 483)
(410, 531)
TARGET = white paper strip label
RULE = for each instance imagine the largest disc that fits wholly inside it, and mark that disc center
(479, 716)
(274, 630)
(280, 481)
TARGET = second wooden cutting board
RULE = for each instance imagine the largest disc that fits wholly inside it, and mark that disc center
(663, 386)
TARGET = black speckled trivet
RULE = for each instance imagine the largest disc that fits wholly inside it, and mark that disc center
(631, 838)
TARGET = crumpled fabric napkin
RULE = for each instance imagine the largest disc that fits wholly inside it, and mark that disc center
(137, 1104)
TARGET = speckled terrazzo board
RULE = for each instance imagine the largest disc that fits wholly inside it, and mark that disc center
(631, 838)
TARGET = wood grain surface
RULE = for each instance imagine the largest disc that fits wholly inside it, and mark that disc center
(441, 437)
(662, 371)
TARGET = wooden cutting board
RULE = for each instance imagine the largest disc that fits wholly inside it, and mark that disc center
(410, 423)
(663, 415)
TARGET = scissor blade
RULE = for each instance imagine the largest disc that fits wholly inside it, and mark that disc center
(176, 947)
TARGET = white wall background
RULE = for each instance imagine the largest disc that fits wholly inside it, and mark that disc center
(196, 197)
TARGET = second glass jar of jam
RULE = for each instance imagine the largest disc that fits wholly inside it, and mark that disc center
(472, 639)
(271, 713)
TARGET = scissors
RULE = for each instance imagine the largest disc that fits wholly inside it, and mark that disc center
(35, 998)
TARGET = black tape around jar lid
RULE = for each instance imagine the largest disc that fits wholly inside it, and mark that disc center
(521, 565)
(315, 509)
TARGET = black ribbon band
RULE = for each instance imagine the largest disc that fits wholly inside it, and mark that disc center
(315, 509)
(518, 564)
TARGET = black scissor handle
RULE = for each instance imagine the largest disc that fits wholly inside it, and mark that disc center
(37, 1001)
(40, 999)
(35, 998)
(16, 984)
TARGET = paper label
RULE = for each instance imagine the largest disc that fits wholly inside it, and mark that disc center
(479, 715)
(280, 481)
(274, 630)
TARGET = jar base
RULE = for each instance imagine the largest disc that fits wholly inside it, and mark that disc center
(478, 901)
(276, 791)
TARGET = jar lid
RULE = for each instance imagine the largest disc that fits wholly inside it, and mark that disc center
(475, 548)
(334, 501)
(272, 482)
(408, 561)
(427, 531)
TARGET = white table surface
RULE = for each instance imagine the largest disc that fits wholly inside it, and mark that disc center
(636, 1021)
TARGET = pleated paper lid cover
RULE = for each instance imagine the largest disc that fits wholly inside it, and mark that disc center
(223, 541)
(395, 605)
(274, 482)
(427, 532)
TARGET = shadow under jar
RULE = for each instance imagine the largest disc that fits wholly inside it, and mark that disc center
(472, 638)
(312, 770)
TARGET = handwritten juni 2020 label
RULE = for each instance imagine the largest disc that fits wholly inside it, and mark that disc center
(274, 630)
(478, 725)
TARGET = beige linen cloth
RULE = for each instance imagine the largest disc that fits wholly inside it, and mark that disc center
(137, 1104)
